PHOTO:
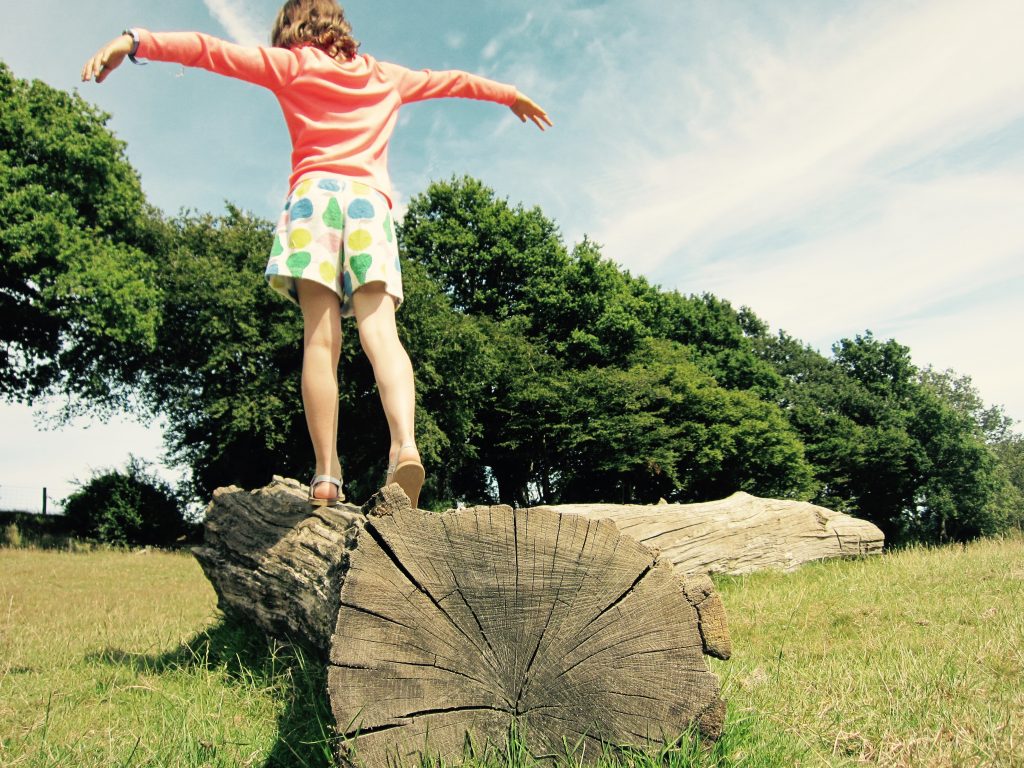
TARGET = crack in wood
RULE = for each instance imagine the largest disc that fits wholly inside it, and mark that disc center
(602, 649)
(358, 732)
(393, 557)
(458, 587)
(525, 681)
(628, 591)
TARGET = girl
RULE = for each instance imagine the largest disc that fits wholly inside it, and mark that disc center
(334, 251)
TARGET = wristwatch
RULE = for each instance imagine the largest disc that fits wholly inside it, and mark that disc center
(135, 45)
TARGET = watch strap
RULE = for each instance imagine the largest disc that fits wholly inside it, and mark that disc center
(131, 32)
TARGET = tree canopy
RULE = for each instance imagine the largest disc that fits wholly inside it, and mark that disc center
(79, 294)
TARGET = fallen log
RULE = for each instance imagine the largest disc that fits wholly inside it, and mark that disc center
(446, 629)
(739, 534)
(277, 562)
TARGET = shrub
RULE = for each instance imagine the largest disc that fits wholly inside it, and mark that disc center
(130, 507)
(12, 536)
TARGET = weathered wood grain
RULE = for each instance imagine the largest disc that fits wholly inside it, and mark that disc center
(277, 562)
(739, 534)
(562, 621)
(468, 622)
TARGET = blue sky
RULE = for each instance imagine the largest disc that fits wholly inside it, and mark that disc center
(835, 166)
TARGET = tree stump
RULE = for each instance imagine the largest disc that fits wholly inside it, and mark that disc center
(277, 562)
(477, 619)
(454, 628)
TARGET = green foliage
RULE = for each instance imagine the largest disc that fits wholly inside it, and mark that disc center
(543, 373)
(11, 536)
(225, 371)
(490, 258)
(28, 529)
(133, 507)
(901, 447)
(959, 393)
(1004, 467)
(664, 428)
(1007, 503)
(592, 384)
(78, 298)
(583, 384)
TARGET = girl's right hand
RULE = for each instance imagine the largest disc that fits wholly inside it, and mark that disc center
(107, 59)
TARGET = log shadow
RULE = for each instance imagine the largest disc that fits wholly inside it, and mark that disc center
(252, 660)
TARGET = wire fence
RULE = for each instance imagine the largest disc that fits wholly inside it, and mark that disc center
(29, 498)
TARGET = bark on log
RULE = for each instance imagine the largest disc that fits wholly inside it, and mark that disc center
(739, 534)
(275, 561)
(439, 626)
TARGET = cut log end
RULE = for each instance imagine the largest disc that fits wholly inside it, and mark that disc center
(456, 628)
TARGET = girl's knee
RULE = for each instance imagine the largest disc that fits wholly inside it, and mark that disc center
(379, 338)
(323, 335)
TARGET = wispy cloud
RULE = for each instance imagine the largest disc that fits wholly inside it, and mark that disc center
(496, 44)
(238, 21)
(836, 168)
(840, 176)
(923, 249)
(831, 111)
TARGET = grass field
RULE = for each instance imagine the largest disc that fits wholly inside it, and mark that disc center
(916, 658)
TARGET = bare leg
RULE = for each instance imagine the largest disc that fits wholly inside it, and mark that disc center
(378, 334)
(321, 316)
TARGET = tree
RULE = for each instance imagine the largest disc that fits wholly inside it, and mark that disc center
(890, 444)
(1009, 498)
(490, 258)
(130, 507)
(959, 392)
(1005, 505)
(79, 304)
(957, 481)
(575, 405)
(226, 377)
(224, 370)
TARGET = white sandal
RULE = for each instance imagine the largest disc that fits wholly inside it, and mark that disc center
(336, 482)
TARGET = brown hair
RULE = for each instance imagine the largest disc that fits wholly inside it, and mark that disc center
(320, 23)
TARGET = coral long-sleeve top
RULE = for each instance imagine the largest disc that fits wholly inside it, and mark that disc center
(340, 114)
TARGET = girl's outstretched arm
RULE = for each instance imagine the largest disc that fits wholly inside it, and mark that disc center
(271, 68)
(107, 59)
(418, 85)
(525, 108)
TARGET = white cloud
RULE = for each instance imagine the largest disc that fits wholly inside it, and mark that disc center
(491, 49)
(496, 44)
(834, 175)
(841, 107)
(239, 23)
(924, 245)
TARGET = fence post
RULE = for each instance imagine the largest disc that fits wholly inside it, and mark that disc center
(44, 499)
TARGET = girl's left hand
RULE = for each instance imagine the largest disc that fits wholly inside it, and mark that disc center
(525, 108)
(107, 59)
